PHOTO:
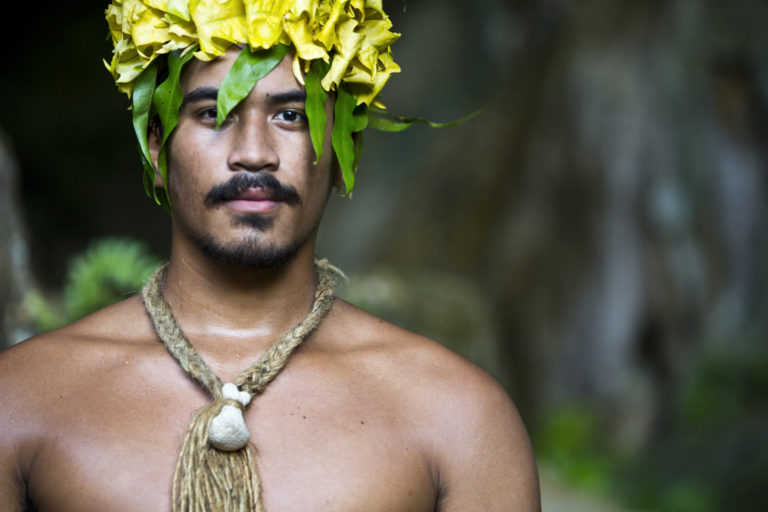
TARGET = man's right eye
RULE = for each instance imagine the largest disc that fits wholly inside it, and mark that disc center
(207, 114)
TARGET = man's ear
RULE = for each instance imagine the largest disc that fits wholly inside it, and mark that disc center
(155, 140)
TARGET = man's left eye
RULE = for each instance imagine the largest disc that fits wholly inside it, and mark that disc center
(291, 116)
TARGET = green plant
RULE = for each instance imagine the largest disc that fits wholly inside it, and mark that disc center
(569, 441)
(109, 270)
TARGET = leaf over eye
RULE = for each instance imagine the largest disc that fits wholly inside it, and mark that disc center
(247, 69)
(168, 98)
(315, 105)
(168, 95)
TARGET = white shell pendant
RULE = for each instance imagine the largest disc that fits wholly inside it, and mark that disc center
(228, 431)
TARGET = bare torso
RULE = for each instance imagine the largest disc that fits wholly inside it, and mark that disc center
(365, 416)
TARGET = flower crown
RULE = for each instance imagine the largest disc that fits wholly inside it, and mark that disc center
(355, 32)
(340, 46)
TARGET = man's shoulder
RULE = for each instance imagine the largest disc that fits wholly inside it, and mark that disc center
(49, 377)
(466, 422)
(428, 372)
(67, 353)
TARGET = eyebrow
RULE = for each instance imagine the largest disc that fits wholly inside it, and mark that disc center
(200, 94)
(295, 96)
(211, 94)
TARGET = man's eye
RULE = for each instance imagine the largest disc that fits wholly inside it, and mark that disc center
(291, 116)
(207, 113)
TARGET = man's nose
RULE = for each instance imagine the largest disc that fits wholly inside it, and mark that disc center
(253, 147)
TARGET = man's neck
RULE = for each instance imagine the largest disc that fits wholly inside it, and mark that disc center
(227, 309)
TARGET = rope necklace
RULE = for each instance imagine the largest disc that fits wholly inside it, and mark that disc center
(216, 469)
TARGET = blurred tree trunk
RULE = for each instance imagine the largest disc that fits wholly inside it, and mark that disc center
(15, 276)
(610, 198)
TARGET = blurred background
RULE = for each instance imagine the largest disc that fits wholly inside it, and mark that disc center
(596, 239)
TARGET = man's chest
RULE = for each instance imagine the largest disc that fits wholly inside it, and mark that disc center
(314, 451)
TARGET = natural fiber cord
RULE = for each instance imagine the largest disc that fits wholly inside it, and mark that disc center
(207, 479)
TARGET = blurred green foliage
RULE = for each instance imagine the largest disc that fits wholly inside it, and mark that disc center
(569, 441)
(439, 305)
(709, 454)
(108, 271)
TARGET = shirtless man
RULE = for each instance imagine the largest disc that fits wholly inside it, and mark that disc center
(365, 416)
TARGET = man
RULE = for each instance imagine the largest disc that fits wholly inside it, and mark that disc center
(364, 416)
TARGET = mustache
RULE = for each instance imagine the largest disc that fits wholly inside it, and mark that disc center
(239, 183)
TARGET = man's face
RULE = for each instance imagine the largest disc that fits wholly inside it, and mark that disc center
(248, 193)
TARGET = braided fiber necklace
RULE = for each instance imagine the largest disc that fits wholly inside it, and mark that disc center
(216, 469)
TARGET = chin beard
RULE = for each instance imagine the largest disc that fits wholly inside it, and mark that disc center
(248, 255)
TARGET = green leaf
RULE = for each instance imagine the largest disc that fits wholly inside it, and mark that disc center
(358, 150)
(142, 103)
(168, 98)
(360, 115)
(168, 95)
(161, 193)
(147, 185)
(341, 137)
(247, 69)
(382, 121)
(386, 125)
(143, 92)
(315, 105)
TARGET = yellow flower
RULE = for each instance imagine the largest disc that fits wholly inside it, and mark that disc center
(354, 35)
(349, 43)
(377, 38)
(299, 23)
(264, 22)
(180, 9)
(150, 33)
(219, 26)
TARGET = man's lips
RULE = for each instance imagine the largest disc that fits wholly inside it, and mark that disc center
(256, 194)
(254, 200)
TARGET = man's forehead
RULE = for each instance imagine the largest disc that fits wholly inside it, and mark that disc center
(210, 74)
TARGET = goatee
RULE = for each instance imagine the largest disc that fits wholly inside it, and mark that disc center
(247, 254)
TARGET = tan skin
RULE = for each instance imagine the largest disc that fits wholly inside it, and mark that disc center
(366, 416)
